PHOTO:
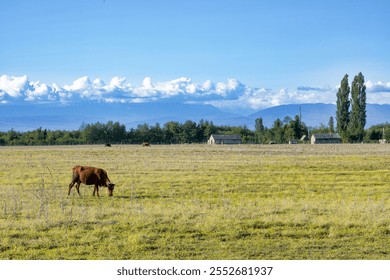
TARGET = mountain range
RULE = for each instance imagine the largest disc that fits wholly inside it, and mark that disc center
(70, 116)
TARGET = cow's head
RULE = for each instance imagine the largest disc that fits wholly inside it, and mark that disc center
(110, 188)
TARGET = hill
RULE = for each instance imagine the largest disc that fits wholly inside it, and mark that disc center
(69, 116)
(319, 113)
(312, 114)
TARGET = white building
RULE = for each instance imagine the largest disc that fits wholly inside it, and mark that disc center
(224, 139)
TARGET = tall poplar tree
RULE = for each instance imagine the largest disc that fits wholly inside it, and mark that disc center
(342, 113)
(259, 130)
(331, 125)
(358, 111)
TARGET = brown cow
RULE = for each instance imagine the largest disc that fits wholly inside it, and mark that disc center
(91, 176)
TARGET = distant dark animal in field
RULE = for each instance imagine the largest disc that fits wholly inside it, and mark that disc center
(107, 145)
(145, 144)
(91, 176)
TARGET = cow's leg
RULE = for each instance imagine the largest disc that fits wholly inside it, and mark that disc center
(70, 186)
(97, 190)
(78, 188)
(75, 179)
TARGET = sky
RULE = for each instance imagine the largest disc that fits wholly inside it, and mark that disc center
(233, 54)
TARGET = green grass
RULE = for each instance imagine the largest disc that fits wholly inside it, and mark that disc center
(198, 202)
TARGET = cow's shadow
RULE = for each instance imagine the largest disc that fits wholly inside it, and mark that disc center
(122, 196)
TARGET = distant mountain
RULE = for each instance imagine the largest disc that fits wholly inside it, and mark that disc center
(23, 117)
(69, 116)
(318, 113)
(377, 114)
(312, 114)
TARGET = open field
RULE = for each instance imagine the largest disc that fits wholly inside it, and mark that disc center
(198, 202)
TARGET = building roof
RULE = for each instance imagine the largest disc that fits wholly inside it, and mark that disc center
(226, 136)
(327, 136)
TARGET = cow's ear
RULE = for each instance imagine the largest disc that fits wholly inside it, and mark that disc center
(81, 168)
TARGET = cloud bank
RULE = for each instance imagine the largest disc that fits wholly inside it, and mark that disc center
(230, 95)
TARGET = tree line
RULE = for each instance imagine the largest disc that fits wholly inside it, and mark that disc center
(176, 133)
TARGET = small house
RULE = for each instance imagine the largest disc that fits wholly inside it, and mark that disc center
(326, 138)
(224, 139)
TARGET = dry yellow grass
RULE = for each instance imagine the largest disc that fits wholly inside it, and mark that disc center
(198, 202)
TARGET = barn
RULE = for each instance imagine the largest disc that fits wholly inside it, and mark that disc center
(224, 139)
(326, 138)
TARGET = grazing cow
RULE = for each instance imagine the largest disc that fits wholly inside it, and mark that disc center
(91, 176)
(146, 144)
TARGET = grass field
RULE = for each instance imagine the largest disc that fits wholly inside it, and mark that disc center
(198, 202)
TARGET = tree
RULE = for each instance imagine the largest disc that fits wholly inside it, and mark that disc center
(259, 130)
(342, 113)
(358, 111)
(246, 134)
(171, 132)
(296, 126)
(331, 125)
(94, 133)
(142, 133)
(156, 133)
(117, 132)
(188, 132)
(277, 131)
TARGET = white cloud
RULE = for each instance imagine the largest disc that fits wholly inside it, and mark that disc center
(38, 90)
(147, 83)
(82, 83)
(13, 86)
(98, 83)
(117, 82)
(146, 90)
(174, 87)
(378, 93)
(191, 88)
(378, 86)
(231, 95)
(379, 98)
(208, 86)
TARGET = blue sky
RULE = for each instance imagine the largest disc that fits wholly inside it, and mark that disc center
(245, 53)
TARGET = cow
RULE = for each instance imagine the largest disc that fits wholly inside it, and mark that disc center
(145, 144)
(91, 176)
